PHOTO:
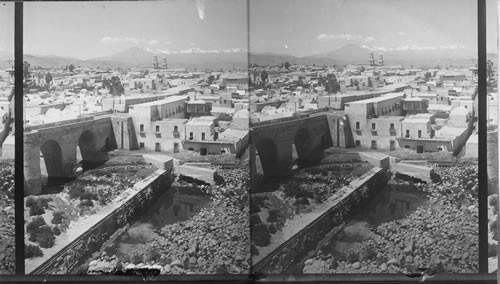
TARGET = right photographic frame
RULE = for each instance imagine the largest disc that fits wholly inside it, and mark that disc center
(365, 145)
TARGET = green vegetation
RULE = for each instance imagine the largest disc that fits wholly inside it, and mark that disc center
(31, 251)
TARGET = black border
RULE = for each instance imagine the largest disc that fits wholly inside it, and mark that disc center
(482, 277)
(19, 135)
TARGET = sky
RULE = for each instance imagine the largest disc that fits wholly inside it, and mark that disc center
(93, 29)
(304, 27)
(297, 27)
(6, 27)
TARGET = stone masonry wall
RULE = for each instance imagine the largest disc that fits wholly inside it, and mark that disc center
(293, 250)
(75, 253)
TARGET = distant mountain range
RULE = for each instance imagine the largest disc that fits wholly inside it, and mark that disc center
(238, 58)
(143, 57)
(359, 54)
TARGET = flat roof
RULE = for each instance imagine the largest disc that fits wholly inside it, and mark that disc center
(448, 131)
(378, 99)
(167, 100)
(416, 120)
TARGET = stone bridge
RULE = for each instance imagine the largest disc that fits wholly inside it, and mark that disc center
(57, 143)
(275, 141)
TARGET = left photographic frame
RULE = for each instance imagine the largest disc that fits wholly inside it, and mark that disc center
(134, 134)
(7, 141)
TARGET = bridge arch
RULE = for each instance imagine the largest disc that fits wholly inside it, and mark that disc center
(268, 154)
(52, 160)
(303, 141)
(86, 146)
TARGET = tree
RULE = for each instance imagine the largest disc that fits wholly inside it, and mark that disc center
(210, 79)
(264, 76)
(490, 65)
(427, 76)
(71, 67)
(114, 86)
(332, 85)
(48, 78)
(26, 69)
(287, 65)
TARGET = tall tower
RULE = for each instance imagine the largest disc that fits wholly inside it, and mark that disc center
(156, 65)
(165, 62)
(380, 60)
(372, 59)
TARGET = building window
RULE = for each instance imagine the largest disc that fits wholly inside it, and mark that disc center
(141, 128)
(374, 144)
(392, 126)
(373, 126)
(203, 136)
(176, 147)
(407, 133)
(157, 129)
(141, 145)
(157, 147)
(392, 145)
(357, 125)
(358, 143)
(420, 134)
(190, 135)
(176, 132)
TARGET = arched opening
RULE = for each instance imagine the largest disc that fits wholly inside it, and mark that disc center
(87, 156)
(51, 165)
(268, 155)
(303, 143)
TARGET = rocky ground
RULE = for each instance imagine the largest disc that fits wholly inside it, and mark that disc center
(215, 240)
(7, 223)
(441, 235)
(283, 200)
(85, 195)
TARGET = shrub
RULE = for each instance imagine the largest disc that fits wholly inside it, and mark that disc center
(493, 226)
(31, 251)
(352, 257)
(261, 236)
(492, 250)
(45, 237)
(271, 229)
(59, 217)
(36, 209)
(36, 223)
(254, 250)
(435, 178)
(368, 253)
(44, 202)
(152, 255)
(75, 192)
(30, 202)
(493, 202)
(136, 258)
(255, 219)
(254, 207)
(86, 202)
(56, 231)
(274, 215)
(88, 195)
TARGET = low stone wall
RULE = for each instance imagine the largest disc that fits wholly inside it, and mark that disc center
(294, 249)
(79, 250)
(415, 171)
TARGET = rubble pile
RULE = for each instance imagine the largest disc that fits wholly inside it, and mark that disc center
(7, 223)
(105, 184)
(442, 234)
(215, 240)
